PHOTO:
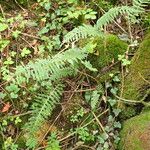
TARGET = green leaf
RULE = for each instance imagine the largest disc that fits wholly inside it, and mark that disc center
(12, 88)
(3, 44)
(94, 99)
(13, 95)
(17, 120)
(16, 33)
(90, 47)
(8, 61)
(112, 102)
(116, 79)
(116, 112)
(2, 95)
(114, 90)
(117, 124)
(3, 27)
(25, 52)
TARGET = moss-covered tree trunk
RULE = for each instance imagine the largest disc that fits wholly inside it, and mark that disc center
(137, 82)
(135, 134)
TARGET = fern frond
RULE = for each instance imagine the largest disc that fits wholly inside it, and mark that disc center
(114, 12)
(43, 69)
(86, 31)
(81, 32)
(139, 4)
(41, 110)
(95, 99)
(53, 143)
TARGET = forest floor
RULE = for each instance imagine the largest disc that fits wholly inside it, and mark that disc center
(75, 75)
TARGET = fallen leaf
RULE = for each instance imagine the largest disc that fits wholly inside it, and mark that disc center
(6, 107)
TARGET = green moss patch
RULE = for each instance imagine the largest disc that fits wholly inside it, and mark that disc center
(137, 81)
(135, 134)
(107, 50)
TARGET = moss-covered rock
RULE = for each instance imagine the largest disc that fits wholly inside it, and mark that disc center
(137, 81)
(135, 134)
(104, 52)
(107, 50)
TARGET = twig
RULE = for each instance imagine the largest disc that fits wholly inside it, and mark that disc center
(19, 5)
(2, 12)
(143, 78)
(32, 36)
(71, 134)
(101, 126)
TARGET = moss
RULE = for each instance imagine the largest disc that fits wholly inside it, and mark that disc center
(107, 50)
(127, 112)
(136, 83)
(135, 134)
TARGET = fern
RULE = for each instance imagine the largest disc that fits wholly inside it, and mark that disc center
(41, 109)
(53, 68)
(114, 12)
(95, 99)
(139, 4)
(86, 31)
(53, 143)
(81, 32)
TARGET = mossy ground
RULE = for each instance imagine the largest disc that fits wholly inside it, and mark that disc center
(136, 133)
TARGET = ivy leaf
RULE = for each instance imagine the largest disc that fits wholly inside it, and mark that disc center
(116, 112)
(114, 91)
(112, 102)
(117, 124)
(116, 79)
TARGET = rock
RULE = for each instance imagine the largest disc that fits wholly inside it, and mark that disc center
(135, 134)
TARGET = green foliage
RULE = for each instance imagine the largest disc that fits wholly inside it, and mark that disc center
(8, 144)
(53, 143)
(89, 31)
(84, 134)
(3, 27)
(41, 109)
(52, 68)
(78, 115)
(93, 98)
(40, 68)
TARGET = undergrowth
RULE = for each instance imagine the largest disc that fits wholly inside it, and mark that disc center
(43, 68)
